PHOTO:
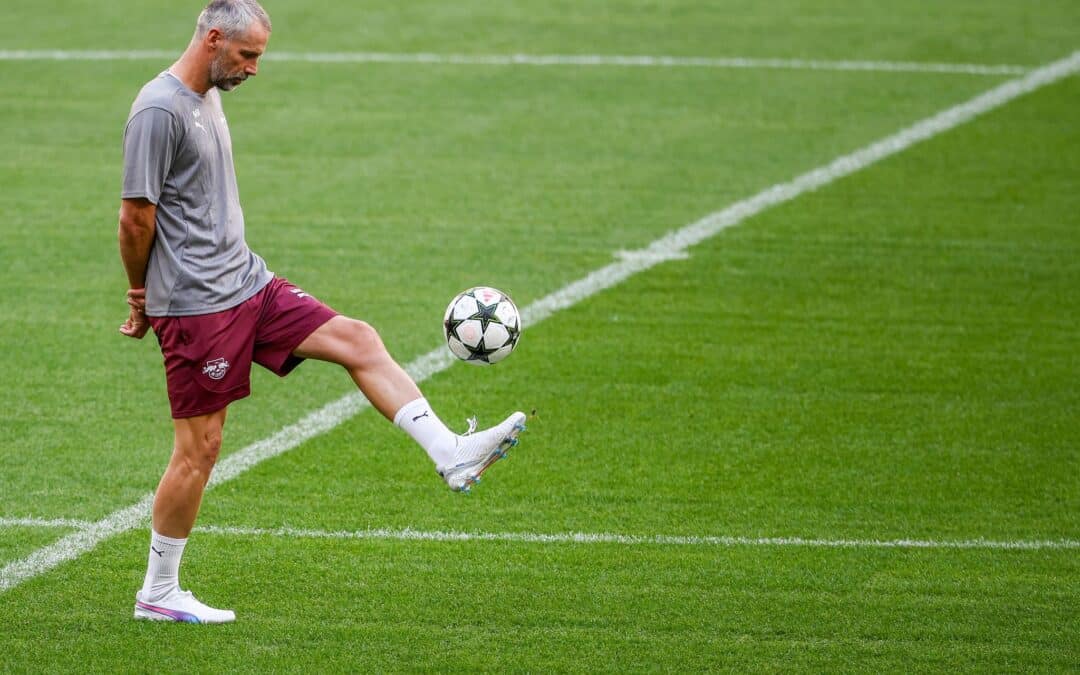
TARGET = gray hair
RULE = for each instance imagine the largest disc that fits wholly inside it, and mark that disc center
(231, 17)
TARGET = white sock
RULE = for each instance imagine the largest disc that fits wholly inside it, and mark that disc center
(418, 420)
(163, 569)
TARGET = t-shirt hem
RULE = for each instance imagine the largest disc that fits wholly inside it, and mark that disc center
(214, 309)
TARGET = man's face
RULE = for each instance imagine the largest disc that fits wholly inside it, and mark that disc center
(237, 58)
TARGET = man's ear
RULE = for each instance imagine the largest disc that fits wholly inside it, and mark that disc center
(214, 39)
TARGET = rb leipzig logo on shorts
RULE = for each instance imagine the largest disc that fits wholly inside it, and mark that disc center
(216, 368)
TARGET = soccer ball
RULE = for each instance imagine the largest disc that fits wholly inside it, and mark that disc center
(481, 325)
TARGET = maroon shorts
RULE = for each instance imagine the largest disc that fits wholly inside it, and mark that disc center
(208, 357)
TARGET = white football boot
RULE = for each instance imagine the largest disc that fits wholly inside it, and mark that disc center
(181, 606)
(477, 451)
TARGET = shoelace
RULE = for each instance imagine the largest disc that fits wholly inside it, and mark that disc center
(472, 425)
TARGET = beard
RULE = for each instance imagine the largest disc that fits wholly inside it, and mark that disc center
(220, 76)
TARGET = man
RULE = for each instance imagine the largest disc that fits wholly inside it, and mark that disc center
(215, 307)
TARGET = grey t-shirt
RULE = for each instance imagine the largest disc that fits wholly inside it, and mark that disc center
(178, 155)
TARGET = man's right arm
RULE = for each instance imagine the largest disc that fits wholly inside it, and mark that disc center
(150, 139)
(136, 236)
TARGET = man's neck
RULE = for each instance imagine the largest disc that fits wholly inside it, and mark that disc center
(190, 70)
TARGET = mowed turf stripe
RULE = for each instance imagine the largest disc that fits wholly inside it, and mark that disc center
(45, 522)
(636, 540)
(634, 61)
(670, 247)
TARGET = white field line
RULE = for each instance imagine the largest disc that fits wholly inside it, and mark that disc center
(670, 247)
(409, 534)
(736, 62)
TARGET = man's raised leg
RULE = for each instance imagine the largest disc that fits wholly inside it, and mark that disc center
(357, 347)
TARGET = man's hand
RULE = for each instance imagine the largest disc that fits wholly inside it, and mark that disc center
(136, 324)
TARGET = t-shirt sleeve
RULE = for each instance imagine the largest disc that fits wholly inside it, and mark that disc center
(149, 147)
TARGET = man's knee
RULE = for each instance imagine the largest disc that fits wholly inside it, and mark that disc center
(365, 345)
(199, 451)
(364, 334)
(211, 446)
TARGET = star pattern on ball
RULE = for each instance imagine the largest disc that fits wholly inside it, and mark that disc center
(486, 315)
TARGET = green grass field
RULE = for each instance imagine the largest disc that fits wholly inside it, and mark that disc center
(891, 358)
